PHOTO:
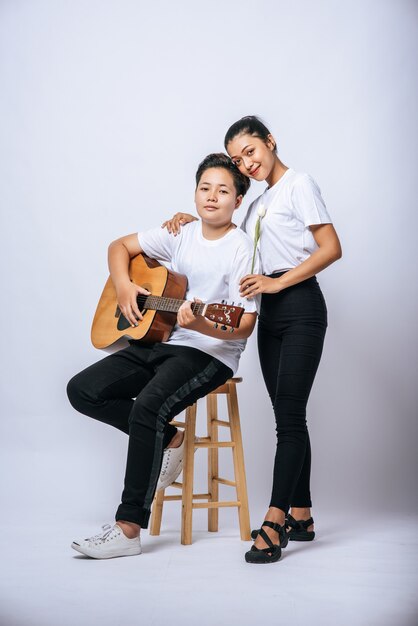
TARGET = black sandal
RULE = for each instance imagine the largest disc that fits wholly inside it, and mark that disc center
(273, 552)
(298, 529)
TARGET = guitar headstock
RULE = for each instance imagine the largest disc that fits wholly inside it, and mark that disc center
(225, 314)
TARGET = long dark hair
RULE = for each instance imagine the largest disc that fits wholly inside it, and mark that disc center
(248, 125)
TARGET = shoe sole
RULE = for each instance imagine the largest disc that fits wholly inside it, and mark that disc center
(249, 557)
(95, 554)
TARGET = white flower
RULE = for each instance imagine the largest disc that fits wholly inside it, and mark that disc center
(261, 211)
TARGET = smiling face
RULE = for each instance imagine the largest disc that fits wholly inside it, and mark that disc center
(216, 197)
(253, 156)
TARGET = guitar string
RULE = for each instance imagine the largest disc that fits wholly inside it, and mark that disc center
(170, 305)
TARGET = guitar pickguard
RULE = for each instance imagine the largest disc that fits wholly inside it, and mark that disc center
(123, 323)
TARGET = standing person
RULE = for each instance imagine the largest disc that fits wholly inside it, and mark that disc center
(165, 378)
(297, 241)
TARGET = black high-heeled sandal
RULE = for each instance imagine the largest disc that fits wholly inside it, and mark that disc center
(298, 530)
(273, 552)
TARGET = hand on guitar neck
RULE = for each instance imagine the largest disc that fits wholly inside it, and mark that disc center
(127, 295)
(186, 318)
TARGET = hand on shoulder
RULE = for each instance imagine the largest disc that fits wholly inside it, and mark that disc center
(174, 224)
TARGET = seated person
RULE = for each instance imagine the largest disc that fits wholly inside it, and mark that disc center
(165, 378)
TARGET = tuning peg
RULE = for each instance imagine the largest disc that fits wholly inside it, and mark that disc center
(215, 325)
(222, 301)
(231, 330)
(223, 327)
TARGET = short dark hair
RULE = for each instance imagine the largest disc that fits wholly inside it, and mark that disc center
(251, 125)
(219, 159)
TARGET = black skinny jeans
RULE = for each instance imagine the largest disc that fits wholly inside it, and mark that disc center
(291, 331)
(164, 380)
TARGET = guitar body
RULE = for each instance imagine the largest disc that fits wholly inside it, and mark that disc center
(111, 330)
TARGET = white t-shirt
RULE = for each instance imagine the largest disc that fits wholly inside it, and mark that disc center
(213, 269)
(292, 205)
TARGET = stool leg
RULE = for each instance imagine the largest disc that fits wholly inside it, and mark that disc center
(238, 456)
(213, 461)
(157, 513)
(188, 467)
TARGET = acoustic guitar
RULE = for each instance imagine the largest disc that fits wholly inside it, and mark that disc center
(111, 330)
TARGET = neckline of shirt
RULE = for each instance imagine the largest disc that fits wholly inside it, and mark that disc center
(277, 185)
(213, 242)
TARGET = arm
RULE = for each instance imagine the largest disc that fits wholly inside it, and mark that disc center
(121, 251)
(329, 250)
(186, 319)
(179, 219)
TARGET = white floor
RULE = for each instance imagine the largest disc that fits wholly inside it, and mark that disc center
(354, 576)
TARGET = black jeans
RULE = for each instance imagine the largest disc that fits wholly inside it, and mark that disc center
(291, 333)
(164, 380)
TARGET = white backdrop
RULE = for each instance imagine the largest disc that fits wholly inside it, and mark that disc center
(106, 108)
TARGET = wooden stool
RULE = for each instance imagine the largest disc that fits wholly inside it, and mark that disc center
(212, 444)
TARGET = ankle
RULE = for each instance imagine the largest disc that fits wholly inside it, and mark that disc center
(129, 529)
(177, 440)
(300, 513)
(275, 515)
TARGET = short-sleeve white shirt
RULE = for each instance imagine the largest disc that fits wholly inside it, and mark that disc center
(292, 205)
(213, 269)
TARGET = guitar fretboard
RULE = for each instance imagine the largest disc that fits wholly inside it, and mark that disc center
(170, 305)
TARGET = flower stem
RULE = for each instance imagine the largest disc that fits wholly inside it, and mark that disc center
(256, 238)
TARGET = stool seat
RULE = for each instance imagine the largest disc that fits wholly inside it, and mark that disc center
(212, 444)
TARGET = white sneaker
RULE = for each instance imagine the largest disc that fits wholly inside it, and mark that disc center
(111, 542)
(171, 467)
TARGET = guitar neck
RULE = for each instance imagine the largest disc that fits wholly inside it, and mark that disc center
(225, 314)
(169, 305)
